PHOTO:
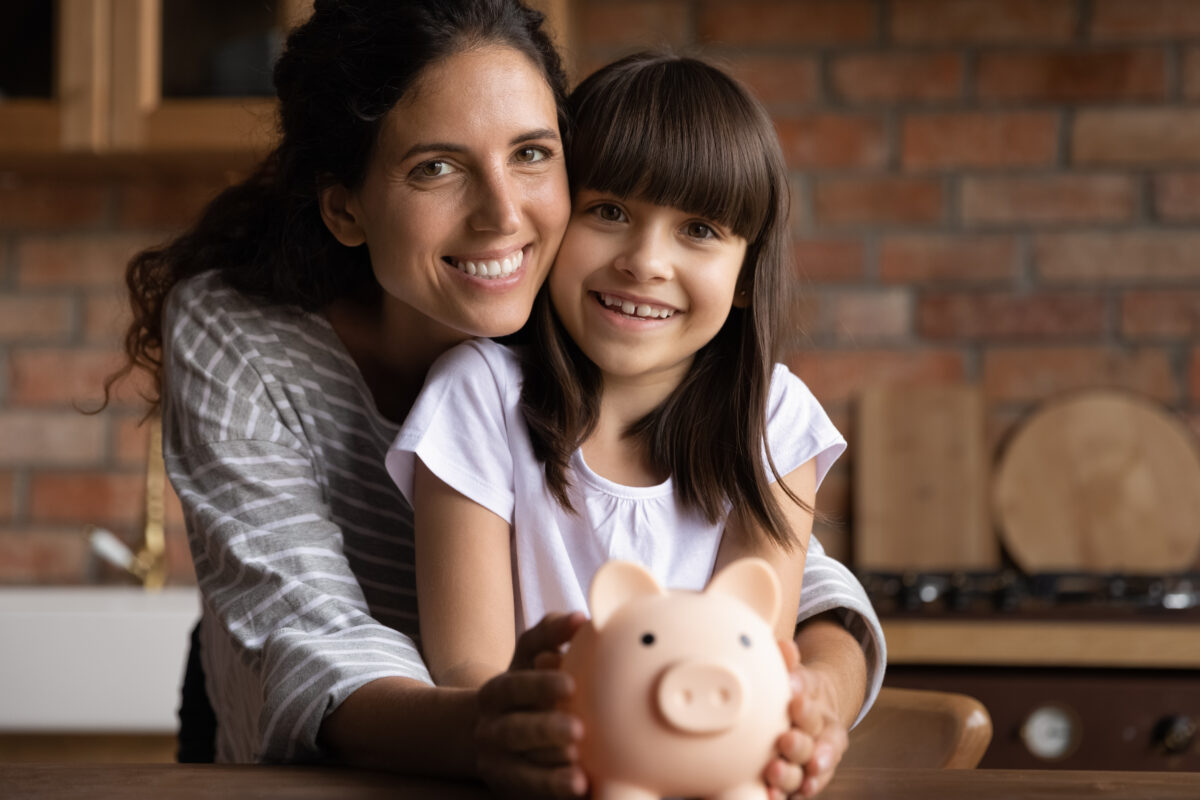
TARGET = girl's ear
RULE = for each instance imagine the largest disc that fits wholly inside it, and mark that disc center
(744, 289)
(338, 210)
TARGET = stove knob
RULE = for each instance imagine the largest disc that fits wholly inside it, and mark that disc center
(1174, 734)
(1051, 732)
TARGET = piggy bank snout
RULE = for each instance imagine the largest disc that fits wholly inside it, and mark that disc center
(700, 696)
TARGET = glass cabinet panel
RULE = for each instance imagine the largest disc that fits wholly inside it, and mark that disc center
(26, 50)
(219, 48)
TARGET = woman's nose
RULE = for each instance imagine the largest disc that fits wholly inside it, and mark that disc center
(497, 205)
(646, 258)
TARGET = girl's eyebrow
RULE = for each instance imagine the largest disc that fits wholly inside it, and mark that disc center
(450, 147)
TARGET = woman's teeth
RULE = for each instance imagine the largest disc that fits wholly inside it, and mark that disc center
(493, 268)
(635, 309)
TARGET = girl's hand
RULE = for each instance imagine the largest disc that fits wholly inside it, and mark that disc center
(525, 745)
(810, 752)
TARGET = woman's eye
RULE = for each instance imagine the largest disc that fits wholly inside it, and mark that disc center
(531, 155)
(432, 169)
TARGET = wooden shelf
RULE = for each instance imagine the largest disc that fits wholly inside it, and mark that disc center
(1043, 643)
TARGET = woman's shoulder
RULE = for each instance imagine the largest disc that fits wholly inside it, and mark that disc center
(478, 356)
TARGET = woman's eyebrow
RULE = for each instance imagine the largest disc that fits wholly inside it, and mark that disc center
(450, 147)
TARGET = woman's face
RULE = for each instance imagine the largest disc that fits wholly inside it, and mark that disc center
(465, 199)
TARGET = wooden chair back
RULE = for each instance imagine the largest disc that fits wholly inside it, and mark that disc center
(920, 728)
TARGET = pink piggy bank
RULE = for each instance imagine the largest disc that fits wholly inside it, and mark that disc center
(680, 693)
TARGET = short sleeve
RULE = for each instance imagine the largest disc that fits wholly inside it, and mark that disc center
(458, 427)
(798, 428)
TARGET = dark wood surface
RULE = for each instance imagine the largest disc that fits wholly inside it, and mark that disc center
(193, 782)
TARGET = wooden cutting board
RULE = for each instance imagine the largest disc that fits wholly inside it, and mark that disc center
(1100, 481)
(921, 480)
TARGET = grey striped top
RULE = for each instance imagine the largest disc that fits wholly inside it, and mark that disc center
(302, 543)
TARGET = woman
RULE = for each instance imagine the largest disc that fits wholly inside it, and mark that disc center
(290, 331)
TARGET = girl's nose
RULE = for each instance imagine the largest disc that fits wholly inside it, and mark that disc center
(497, 205)
(647, 258)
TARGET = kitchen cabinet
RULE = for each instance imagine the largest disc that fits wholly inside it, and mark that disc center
(150, 77)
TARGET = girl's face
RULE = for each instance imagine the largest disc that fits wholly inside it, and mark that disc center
(641, 287)
(465, 199)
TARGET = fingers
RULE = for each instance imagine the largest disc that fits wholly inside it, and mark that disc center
(783, 777)
(525, 690)
(554, 735)
(791, 653)
(521, 780)
(549, 635)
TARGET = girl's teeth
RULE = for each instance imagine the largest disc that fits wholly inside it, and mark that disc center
(635, 309)
(494, 268)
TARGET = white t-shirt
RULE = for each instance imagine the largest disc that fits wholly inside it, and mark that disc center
(468, 430)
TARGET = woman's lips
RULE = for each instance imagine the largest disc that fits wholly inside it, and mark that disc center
(491, 267)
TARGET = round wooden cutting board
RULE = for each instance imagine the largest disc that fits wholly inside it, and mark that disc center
(1100, 481)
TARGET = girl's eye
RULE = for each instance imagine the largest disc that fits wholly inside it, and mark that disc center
(700, 230)
(609, 212)
(531, 155)
(432, 169)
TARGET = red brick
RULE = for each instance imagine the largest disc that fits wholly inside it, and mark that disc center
(1190, 76)
(8, 499)
(65, 438)
(1049, 199)
(130, 440)
(779, 80)
(1194, 384)
(37, 318)
(897, 77)
(840, 375)
(43, 556)
(75, 261)
(788, 22)
(1136, 136)
(631, 24)
(829, 259)
(110, 499)
(948, 259)
(1019, 21)
(61, 377)
(1073, 76)
(823, 141)
(1008, 315)
(1177, 196)
(51, 203)
(1144, 19)
(870, 316)
(180, 570)
(1146, 256)
(165, 203)
(1031, 374)
(106, 315)
(882, 200)
(979, 139)
(1150, 314)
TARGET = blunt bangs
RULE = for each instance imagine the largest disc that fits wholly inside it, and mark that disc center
(636, 135)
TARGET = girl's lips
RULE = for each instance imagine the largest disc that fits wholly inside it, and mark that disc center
(489, 268)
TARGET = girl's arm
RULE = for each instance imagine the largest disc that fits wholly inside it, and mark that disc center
(464, 584)
(740, 541)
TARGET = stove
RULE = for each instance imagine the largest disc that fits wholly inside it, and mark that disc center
(1049, 716)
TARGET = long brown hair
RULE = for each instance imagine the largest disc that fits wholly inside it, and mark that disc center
(339, 75)
(679, 132)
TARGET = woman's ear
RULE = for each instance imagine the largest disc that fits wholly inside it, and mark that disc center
(340, 214)
(744, 289)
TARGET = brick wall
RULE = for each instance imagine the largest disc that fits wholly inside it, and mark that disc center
(999, 191)
(1004, 192)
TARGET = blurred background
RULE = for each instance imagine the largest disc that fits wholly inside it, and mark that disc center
(996, 215)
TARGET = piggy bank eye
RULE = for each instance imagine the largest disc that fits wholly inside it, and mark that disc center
(647, 639)
(745, 640)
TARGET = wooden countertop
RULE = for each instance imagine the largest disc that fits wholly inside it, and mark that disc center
(1046, 643)
(205, 782)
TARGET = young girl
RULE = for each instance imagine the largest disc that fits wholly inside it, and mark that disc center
(646, 417)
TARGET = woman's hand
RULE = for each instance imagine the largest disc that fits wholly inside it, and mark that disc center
(810, 751)
(526, 746)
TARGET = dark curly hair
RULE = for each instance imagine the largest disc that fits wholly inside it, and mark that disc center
(340, 73)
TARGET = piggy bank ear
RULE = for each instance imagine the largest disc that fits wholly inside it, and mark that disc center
(615, 584)
(753, 581)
